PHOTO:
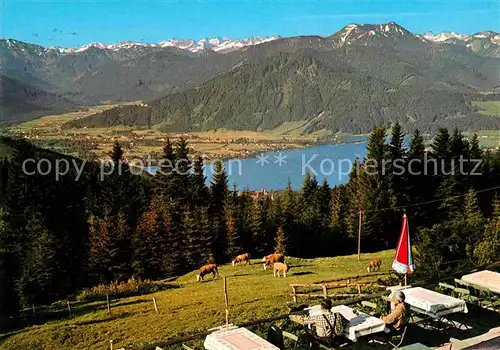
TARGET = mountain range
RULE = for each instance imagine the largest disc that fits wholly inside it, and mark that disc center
(359, 76)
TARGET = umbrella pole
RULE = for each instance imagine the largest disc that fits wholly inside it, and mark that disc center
(226, 302)
(405, 279)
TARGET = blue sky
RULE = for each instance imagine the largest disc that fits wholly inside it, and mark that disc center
(71, 23)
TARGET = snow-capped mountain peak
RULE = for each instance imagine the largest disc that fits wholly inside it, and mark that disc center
(215, 44)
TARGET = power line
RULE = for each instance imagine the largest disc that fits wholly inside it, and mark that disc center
(431, 201)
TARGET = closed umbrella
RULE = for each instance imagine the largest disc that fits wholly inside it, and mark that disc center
(403, 258)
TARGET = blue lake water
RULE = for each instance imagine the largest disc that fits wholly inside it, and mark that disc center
(272, 170)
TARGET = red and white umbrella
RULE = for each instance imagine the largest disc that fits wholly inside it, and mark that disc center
(403, 258)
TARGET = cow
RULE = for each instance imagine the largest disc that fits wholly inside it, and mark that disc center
(241, 258)
(205, 270)
(375, 263)
(273, 258)
(280, 267)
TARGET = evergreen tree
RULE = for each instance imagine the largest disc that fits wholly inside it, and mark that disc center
(120, 250)
(488, 249)
(219, 192)
(37, 275)
(150, 242)
(198, 185)
(165, 171)
(100, 243)
(395, 169)
(289, 220)
(417, 182)
(473, 223)
(280, 241)
(259, 227)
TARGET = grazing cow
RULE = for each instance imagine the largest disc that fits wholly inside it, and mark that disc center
(207, 269)
(241, 258)
(280, 267)
(375, 263)
(273, 258)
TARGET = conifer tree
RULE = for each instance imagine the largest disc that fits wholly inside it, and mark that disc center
(280, 241)
(244, 220)
(198, 185)
(100, 243)
(120, 251)
(166, 169)
(259, 227)
(39, 264)
(395, 169)
(473, 224)
(219, 192)
(150, 242)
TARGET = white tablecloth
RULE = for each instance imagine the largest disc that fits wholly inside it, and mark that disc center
(236, 339)
(359, 325)
(487, 279)
(432, 303)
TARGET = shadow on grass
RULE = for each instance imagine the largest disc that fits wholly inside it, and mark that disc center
(110, 318)
(241, 275)
(303, 273)
(303, 265)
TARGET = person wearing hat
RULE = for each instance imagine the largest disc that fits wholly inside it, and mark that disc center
(397, 318)
(328, 325)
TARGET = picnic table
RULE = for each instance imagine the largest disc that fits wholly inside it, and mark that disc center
(486, 279)
(360, 324)
(236, 339)
(433, 304)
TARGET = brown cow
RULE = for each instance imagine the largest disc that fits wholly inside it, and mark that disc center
(241, 258)
(207, 269)
(375, 263)
(280, 267)
(273, 258)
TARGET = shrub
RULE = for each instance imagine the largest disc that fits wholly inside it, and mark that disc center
(123, 289)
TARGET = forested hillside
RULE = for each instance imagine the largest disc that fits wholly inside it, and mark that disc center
(127, 225)
(327, 92)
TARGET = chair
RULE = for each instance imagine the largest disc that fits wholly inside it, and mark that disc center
(463, 292)
(370, 305)
(293, 338)
(486, 297)
(275, 337)
(401, 338)
(447, 287)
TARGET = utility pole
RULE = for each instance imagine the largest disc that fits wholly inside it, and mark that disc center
(359, 237)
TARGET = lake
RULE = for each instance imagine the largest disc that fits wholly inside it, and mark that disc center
(272, 170)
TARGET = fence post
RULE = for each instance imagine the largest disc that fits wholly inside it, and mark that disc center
(294, 291)
(69, 307)
(34, 309)
(359, 289)
(226, 300)
(156, 306)
(107, 302)
(111, 344)
(325, 292)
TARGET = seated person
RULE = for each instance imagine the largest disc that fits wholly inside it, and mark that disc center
(328, 325)
(397, 319)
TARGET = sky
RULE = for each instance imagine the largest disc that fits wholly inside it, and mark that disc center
(71, 23)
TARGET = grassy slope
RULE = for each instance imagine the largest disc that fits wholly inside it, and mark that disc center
(253, 294)
(488, 107)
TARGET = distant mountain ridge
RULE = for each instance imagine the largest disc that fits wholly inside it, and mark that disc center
(367, 57)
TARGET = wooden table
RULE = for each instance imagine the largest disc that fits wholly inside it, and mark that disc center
(415, 346)
(360, 324)
(487, 279)
(236, 339)
(433, 304)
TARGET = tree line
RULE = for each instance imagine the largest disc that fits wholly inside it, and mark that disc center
(57, 237)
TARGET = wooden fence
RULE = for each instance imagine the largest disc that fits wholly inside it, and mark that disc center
(345, 282)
